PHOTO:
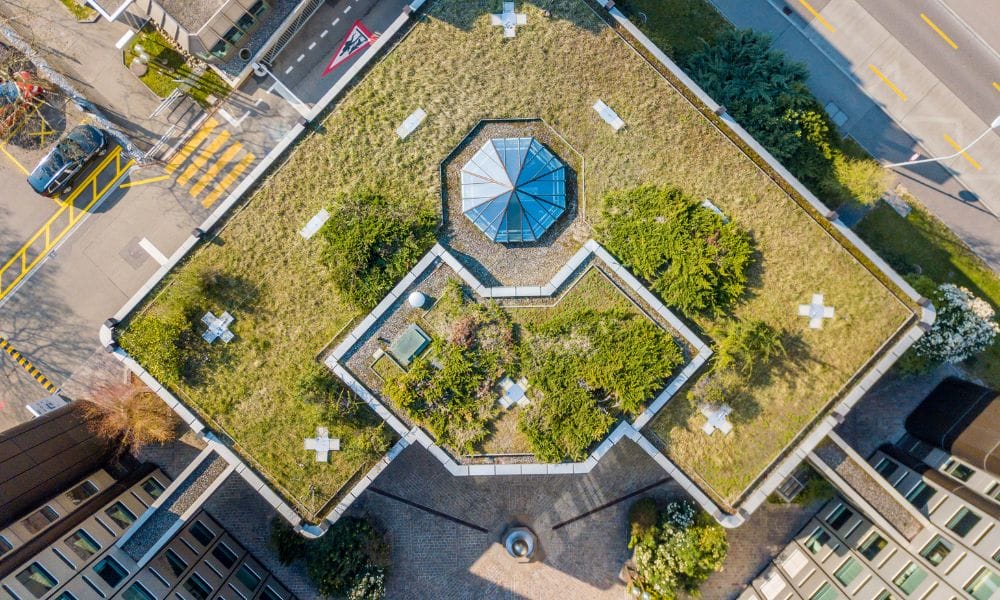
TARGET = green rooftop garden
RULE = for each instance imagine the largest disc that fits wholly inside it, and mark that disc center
(251, 389)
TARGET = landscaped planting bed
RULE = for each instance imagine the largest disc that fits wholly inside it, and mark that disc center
(458, 68)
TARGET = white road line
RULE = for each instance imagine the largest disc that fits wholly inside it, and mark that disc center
(232, 120)
(287, 71)
(323, 35)
(273, 85)
(335, 21)
(311, 46)
(348, 9)
(153, 251)
(299, 59)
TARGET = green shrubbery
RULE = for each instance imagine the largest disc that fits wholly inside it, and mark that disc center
(371, 242)
(675, 556)
(767, 94)
(350, 560)
(692, 259)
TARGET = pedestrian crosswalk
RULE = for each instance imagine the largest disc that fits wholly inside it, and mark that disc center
(210, 162)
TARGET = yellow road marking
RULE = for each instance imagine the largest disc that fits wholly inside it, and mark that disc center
(177, 159)
(24, 262)
(214, 170)
(965, 155)
(228, 180)
(817, 16)
(144, 181)
(14, 160)
(203, 156)
(997, 86)
(25, 364)
(892, 86)
(937, 30)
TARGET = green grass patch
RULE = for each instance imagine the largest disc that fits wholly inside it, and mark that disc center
(678, 27)
(167, 68)
(79, 10)
(921, 244)
(564, 63)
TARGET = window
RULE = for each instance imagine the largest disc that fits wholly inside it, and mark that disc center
(122, 516)
(176, 563)
(197, 587)
(65, 596)
(885, 595)
(958, 470)
(82, 544)
(220, 49)
(258, 8)
(269, 594)
(152, 487)
(233, 35)
(203, 534)
(983, 585)
(5, 546)
(886, 467)
(963, 522)
(936, 551)
(817, 540)
(248, 578)
(920, 495)
(81, 492)
(910, 578)
(36, 580)
(994, 491)
(110, 571)
(839, 516)
(224, 555)
(137, 592)
(40, 519)
(825, 592)
(872, 546)
(246, 21)
(848, 572)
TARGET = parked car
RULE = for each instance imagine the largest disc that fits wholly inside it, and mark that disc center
(18, 89)
(57, 171)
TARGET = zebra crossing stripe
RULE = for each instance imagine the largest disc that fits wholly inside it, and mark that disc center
(25, 364)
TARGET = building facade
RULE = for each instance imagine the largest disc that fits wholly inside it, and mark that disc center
(941, 538)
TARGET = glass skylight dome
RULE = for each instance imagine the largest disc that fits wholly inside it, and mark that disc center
(514, 189)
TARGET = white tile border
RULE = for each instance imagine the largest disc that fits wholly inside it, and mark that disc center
(591, 250)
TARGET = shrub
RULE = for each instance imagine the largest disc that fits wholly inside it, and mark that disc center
(566, 420)
(679, 554)
(964, 327)
(346, 556)
(130, 414)
(746, 344)
(370, 243)
(369, 586)
(861, 179)
(161, 338)
(286, 543)
(694, 260)
(643, 515)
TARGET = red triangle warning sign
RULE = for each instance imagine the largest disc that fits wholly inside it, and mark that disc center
(356, 40)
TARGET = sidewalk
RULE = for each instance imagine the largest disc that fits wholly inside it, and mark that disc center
(85, 54)
(889, 127)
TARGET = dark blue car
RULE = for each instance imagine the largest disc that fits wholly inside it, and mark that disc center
(56, 172)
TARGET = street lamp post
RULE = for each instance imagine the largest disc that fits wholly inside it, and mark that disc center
(994, 125)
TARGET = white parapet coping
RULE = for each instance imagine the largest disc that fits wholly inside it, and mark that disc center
(926, 317)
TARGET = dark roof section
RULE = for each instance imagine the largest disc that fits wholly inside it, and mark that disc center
(45, 456)
(962, 418)
(942, 481)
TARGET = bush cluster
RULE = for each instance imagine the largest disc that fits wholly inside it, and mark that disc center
(767, 94)
(350, 560)
(371, 241)
(965, 326)
(675, 556)
(694, 260)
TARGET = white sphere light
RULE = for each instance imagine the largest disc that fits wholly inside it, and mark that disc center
(417, 299)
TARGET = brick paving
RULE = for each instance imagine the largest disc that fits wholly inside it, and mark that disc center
(434, 557)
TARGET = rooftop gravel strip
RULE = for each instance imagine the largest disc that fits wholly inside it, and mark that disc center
(868, 488)
(179, 501)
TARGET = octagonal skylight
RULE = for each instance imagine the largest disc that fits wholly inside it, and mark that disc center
(514, 189)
